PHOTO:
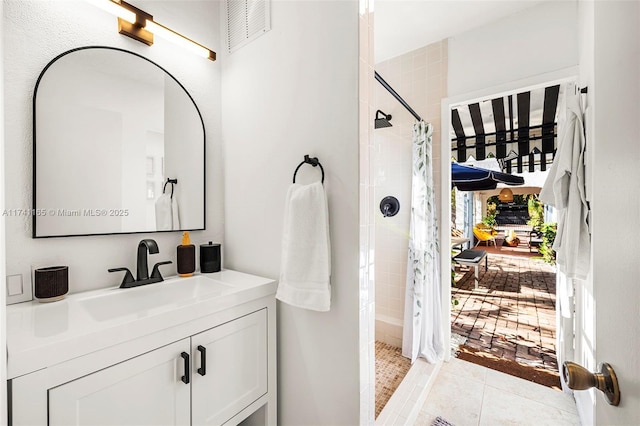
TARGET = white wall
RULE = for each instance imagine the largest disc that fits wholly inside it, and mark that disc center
(3, 323)
(531, 42)
(291, 92)
(35, 32)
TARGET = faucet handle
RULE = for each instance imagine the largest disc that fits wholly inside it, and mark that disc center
(128, 277)
(155, 273)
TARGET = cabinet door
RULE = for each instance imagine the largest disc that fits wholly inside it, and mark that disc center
(146, 390)
(236, 368)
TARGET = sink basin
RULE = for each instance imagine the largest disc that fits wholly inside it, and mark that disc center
(152, 298)
(42, 335)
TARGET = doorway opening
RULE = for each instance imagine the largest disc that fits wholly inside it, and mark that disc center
(502, 311)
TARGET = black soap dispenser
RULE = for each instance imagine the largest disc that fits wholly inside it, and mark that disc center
(210, 258)
(186, 256)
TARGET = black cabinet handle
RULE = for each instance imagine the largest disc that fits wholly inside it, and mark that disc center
(203, 360)
(185, 378)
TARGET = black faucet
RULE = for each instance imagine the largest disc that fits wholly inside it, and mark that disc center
(143, 268)
(142, 276)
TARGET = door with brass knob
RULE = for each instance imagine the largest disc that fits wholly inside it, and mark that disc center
(579, 378)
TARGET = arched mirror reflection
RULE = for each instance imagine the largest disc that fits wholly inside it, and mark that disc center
(110, 128)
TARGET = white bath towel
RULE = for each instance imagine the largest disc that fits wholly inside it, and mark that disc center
(306, 251)
(167, 218)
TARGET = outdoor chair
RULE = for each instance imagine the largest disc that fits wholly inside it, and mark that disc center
(484, 233)
(535, 238)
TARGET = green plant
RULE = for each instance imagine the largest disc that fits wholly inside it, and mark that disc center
(453, 205)
(489, 220)
(519, 199)
(492, 208)
(548, 230)
(536, 212)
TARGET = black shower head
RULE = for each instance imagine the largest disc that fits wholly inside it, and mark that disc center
(383, 121)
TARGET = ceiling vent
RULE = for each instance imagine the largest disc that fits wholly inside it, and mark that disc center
(246, 21)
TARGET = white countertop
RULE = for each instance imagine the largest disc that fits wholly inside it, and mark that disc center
(44, 334)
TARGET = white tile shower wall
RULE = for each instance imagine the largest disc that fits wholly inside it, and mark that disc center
(37, 31)
(367, 228)
(420, 77)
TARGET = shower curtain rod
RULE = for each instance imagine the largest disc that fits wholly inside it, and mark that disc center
(395, 95)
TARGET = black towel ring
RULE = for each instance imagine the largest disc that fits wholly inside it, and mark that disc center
(172, 182)
(313, 161)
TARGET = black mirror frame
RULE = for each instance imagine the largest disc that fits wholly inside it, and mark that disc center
(204, 147)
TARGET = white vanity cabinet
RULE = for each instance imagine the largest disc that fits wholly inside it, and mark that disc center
(230, 370)
(217, 368)
(145, 390)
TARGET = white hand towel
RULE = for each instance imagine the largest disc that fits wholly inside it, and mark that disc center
(164, 221)
(306, 252)
(175, 216)
(167, 218)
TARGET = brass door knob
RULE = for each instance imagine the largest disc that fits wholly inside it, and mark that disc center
(579, 378)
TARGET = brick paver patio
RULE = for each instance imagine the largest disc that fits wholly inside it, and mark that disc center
(512, 313)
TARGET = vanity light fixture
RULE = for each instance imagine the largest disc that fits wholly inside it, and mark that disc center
(179, 39)
(115, 9)
(140, 26)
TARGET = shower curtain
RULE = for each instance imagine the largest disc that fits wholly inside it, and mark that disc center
(422, 332)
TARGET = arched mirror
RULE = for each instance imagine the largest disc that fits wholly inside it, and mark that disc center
(110, 127)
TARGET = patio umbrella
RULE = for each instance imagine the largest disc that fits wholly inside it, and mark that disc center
(467, 178)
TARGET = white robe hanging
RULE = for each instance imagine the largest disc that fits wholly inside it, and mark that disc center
(564, 189)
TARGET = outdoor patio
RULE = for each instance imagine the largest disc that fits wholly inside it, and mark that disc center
(512, 313)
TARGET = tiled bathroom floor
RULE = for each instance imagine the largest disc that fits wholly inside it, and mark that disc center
(391, 367)
(468, 394)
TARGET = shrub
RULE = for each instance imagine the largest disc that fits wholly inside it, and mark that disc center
(489, 220)
(536, 212)
(548, 230)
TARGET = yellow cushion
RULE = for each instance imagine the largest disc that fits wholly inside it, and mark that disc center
(486, 228)
(483, 235)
